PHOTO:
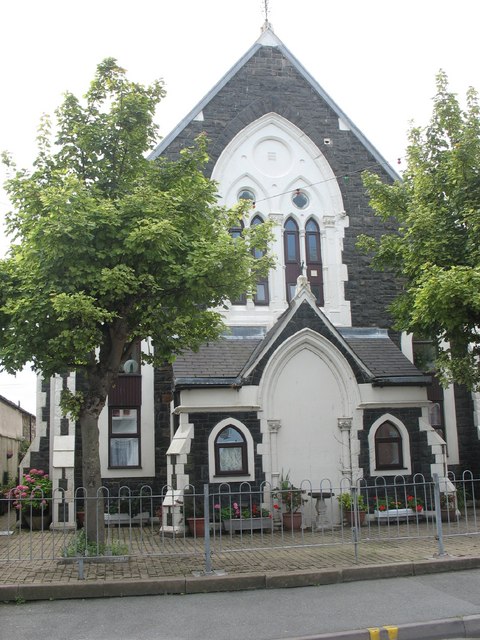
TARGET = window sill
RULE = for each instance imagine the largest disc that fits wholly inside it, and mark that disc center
(138, 466)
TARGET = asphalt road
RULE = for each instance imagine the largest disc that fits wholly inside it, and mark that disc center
(252, 615)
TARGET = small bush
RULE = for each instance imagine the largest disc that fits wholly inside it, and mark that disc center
(80, 546)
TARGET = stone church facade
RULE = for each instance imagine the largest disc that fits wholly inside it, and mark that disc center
(309, 378)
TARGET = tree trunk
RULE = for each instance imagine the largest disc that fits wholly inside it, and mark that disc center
(92, 478)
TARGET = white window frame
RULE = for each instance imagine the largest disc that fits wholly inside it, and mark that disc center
(213, 478)
(407, 459)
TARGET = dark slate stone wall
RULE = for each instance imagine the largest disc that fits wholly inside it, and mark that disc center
(269, 83)
(197, 466)
(41, 459)
(305, 317)
(468, 443)
(421, 454)
(162, 395)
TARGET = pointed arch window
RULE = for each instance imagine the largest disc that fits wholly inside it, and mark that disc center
(236, 232)
(314, 259)
(292, 256)
(261, 296)
(388, 447)
(230, 452)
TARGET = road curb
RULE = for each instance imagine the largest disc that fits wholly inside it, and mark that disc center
(217, 582)
(462, 627)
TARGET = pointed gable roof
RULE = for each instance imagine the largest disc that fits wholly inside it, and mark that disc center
(371, 354)
(269, 39)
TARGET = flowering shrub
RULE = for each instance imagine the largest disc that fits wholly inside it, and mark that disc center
(33, 492)
(383, 504)
(290, 496)
(415, 503)
(235, 511)
(412, 502)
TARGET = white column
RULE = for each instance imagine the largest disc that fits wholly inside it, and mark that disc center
(274, 427)
(345, 426)
(278, 300)
(62, 456)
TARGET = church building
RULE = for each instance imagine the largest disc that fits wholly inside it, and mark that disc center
(309, 378)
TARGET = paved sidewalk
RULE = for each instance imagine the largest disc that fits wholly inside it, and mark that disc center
(166, 568)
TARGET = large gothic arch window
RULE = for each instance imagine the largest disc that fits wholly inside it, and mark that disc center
(293, 266)
(236, 232)
(261, 295)
(314, 259)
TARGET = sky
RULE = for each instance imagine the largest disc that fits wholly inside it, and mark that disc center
(376, 59)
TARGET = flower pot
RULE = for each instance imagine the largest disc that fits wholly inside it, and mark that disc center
(292, 521)
(448, 515)
(196, 526)
(349, 517)
(248, 524)
(394, 514)
(38, 519)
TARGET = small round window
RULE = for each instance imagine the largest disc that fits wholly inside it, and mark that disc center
(246, 194)
(300, 199)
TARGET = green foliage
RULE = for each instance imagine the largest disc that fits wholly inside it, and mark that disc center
(436, 251)
(110, 247)
(346, 501)
(290, 496)
(33, 492)
(80, 546)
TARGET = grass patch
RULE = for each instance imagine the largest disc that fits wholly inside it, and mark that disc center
(80, 546)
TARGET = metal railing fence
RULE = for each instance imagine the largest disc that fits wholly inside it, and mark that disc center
(203, 522)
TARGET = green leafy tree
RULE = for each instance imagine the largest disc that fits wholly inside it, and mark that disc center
(436, 252)
(110, 248)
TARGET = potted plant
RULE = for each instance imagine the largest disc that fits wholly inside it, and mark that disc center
(448, 506)
(415, 503)
(347, 502)
(193, 512)
(291, 499)
(235, 518)
(32, 497)
(389, 507)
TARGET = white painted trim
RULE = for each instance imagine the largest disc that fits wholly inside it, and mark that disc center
(211, 452)
(326, 351)
(406, 454)
(451, 429)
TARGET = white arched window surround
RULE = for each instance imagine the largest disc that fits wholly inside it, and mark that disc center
(407, 461)
(211, 452)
